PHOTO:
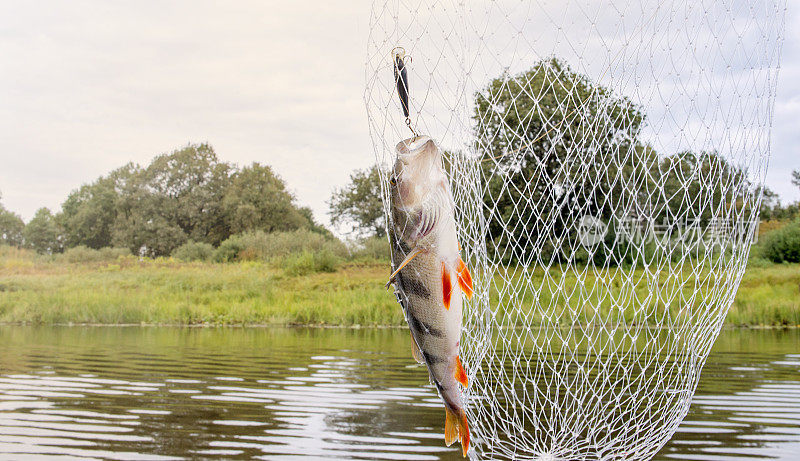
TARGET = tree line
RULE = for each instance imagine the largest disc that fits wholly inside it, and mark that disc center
(186, 195)
(528, 157)
(556, 147)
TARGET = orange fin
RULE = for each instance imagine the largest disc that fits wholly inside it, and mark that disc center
(456, 426)
(450, 427)
(464, 278)
(408, 259)
(415, 352)
(447, 287)
(461, 375)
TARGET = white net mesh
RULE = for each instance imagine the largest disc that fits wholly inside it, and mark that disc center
(605, 158)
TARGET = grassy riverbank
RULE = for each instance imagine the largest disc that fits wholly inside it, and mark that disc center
(126, 290)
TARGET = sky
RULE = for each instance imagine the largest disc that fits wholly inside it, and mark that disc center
(88, 86)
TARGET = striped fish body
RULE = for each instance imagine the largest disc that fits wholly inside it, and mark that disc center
(430, 278)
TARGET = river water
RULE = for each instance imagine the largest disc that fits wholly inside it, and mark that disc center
(279, 393)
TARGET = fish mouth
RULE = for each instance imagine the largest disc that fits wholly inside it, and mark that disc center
(411, 147)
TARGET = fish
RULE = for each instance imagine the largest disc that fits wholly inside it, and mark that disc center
(430, 278)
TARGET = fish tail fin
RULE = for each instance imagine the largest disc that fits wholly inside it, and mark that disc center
(450, 427)
(461, 375)
(456, 426)
(447, 286)
(464, 278)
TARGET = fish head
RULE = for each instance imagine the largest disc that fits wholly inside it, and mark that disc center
(417, 172)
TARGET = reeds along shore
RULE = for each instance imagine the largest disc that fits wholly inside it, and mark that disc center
(114, 288)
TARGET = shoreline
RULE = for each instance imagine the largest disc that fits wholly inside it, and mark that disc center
(129, 291)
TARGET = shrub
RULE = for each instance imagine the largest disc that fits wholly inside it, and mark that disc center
(83, 254)
(276, 246)
(782, 245)
(326, 261)
(769, 225)
(8, 251)
(193, 251)
(758, 263)
(374, 249)
(307, 263)
(229, 249)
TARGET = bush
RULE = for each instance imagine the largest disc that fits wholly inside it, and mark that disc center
(301, 251)
(373, 249)
(758, 263)
(193, 251)
(83, 254)
(782, 245)
(307, 263)
(769, 225)
(276, 246)
(8, 251)
(228, 250)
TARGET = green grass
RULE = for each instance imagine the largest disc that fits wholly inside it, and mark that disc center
(127, 290)
(166, 291)
(768, 296)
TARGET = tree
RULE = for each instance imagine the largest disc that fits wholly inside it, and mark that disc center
(313, 225)
(770, 203)
(178, 197)
(87, 216)
(257, 199)
(530, 129)
(700, 186)
(11, 227)
(41, 233)
(796, 178)
(189, 185)
(188, 194)
(359, 203)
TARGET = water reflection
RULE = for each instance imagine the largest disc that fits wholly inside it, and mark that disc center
(171, 393)
(747, 405)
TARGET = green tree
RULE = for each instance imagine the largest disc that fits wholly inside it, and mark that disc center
(190, 184)
(11, 227)
(529, 128)
(796, 178)
(359, 204)
(783, 244)
(87, 216)
(313, 225)
(178, 197)
(257, 199)
(687, 177)
(770, 204)
(41, 233)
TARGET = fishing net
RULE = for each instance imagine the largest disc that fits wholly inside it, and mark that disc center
(606, 160)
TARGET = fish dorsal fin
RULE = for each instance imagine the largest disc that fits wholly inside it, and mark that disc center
(415, 352)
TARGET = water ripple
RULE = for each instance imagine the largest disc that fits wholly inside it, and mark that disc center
(284, 394)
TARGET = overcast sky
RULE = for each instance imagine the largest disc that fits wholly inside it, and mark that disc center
(86, 87)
